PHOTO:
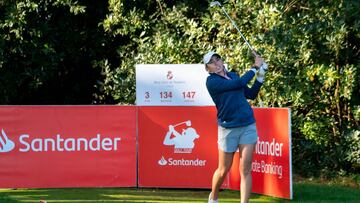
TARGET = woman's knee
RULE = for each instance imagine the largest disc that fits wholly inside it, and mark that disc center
(225, 162)
(245, 171)
(246, 159)
(222, 171)
(245, 168)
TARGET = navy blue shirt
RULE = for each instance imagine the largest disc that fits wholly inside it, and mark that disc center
(230, 98)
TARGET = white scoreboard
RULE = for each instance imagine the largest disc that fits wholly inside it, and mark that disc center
(172, 85)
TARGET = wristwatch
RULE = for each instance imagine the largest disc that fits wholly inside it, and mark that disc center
(254, 66)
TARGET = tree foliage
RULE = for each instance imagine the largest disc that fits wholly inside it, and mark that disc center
(46, 50)
(83, 52)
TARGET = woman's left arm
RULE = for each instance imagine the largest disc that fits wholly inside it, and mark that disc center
(251, 93)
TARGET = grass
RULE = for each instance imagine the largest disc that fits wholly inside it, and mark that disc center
(304, 192)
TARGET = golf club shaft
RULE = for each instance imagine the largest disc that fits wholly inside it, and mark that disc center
(237, 28)
(216, 3)
(179, 123)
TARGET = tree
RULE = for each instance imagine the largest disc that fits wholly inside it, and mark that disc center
(47, 50)
(312, 49)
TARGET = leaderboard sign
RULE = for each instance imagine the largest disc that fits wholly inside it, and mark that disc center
(171, 85)
(67, 146)
(181, 134)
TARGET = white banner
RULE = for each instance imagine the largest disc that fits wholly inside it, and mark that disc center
(172, 85)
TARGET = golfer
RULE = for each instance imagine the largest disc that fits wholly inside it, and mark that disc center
(236, 122)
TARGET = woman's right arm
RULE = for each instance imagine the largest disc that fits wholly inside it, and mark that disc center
(218, 84)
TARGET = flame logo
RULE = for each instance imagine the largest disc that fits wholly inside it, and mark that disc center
(169, 75)
(162, 161)
(6, 145)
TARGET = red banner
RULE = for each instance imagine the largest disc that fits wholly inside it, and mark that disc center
(95, 146)
(271, 167)
(165, 150)
(177, 146)
(67, 146)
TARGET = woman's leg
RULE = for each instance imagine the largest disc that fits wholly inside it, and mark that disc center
(225, 162)
(246, 156)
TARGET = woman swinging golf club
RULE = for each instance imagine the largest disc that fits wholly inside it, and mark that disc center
(236, 122)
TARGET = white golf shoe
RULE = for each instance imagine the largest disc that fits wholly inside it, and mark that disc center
(211, 200)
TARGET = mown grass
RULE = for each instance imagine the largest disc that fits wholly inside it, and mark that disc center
(304, 192)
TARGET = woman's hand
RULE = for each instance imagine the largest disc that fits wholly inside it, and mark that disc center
(258, 61)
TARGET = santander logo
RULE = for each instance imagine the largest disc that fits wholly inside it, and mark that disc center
(181, 162)
(169, 75)
(6, 145)
(59, 143)
(183, 143)
(162, 161)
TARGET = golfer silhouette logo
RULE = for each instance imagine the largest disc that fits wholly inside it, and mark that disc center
(6, 145)
(184, 142)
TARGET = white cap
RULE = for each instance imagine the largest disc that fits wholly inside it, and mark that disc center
(208, 56)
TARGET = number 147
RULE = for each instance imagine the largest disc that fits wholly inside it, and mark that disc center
(188, 95)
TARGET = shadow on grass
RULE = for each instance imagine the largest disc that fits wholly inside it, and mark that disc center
(5, 199)
(311, 192)
(303, 192)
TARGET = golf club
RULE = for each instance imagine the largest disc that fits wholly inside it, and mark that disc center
(188, 123)
(216, 3)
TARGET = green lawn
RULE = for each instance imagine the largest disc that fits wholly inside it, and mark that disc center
(303, 192)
